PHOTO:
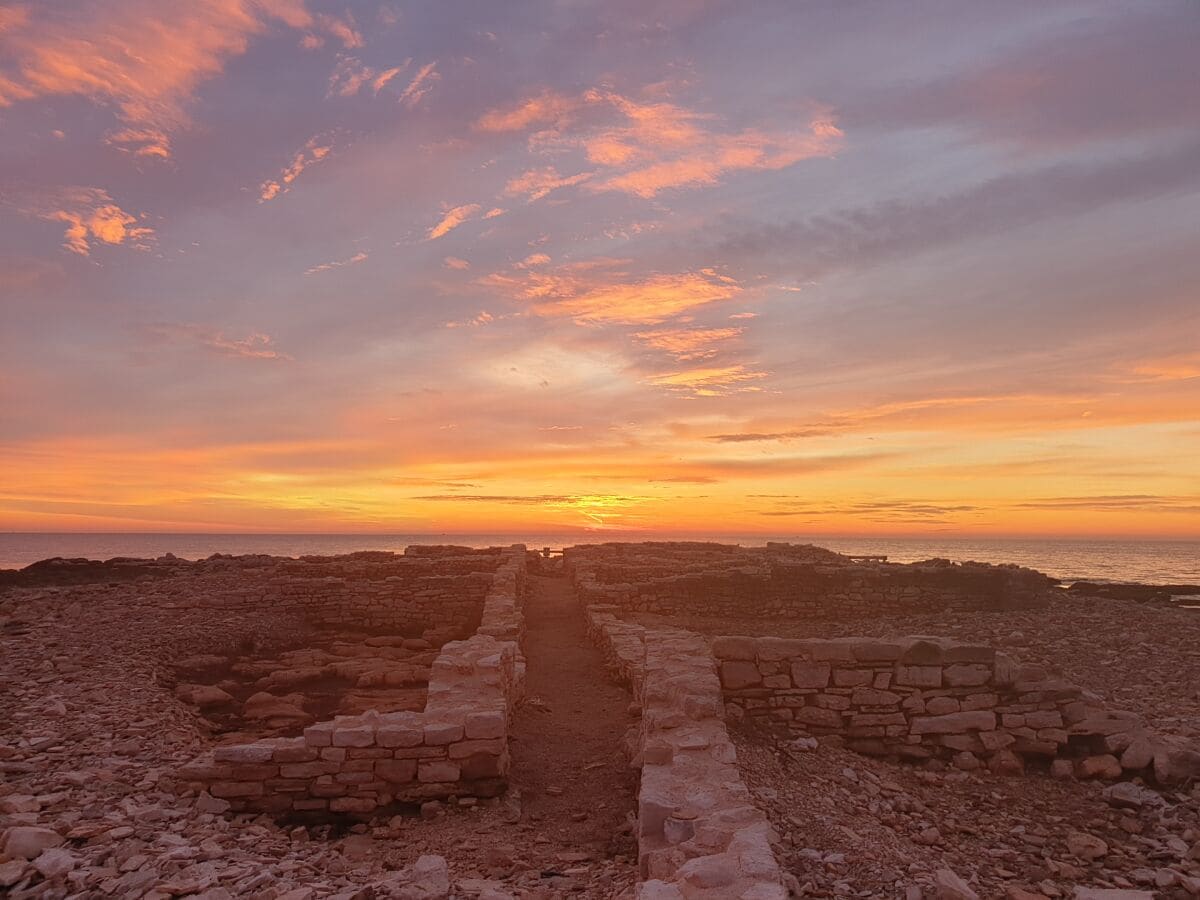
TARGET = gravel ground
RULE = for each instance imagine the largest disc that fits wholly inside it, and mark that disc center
(850, 826)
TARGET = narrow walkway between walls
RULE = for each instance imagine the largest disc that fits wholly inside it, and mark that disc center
(575, 785)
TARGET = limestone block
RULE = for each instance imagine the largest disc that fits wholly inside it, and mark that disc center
(776, 648)
(980, 701)
(843, 677)
(976, 720)
(738, 674)
(812, 715)
(396, 771)
(872, 697)
(877, 651)
(967, 675)
(244, 753)
(438, 771)
(228, 789)
(810, 675)
(940, 706)
(394, 735)
(352, 805)
(441, 733)
(919, 676)
(488, 724)
(319, 735)
(996, 740)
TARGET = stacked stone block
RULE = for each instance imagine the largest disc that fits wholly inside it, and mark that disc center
(699, 833)
(357, 765)
(920, 698)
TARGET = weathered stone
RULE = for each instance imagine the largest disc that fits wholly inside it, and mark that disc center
(1103, 766)
(810, 675)
(28, 841)
(1086, 846)
(919, 676)
(978, 720)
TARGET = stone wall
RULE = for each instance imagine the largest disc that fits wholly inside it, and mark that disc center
(356, 765)
(699, 833)
(922, 698)
(784, 582)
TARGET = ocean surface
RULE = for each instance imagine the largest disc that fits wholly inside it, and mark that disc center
(1070, 560)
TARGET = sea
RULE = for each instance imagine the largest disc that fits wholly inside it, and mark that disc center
(1144, 561)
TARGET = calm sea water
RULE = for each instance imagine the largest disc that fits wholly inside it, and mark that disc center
(1144, 561)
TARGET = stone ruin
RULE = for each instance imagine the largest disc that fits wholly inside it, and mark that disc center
(455, 747)
(912, 698)
(664, 617)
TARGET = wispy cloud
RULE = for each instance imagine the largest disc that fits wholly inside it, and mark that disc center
(254, 346)
(315, 149)
(452, 219)
(537, 183)
(710, 381)
(598, 292)
(144, 59)
(689, 343)
(420, 85)
(337, 264)
(90, 216)
(351, 75)
(645, 147)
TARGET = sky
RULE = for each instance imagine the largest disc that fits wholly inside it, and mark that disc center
(678, 266)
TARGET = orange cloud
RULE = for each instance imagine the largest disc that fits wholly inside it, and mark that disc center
(254, 346)
(655, 146)
(1180, 367)
(89, 215)
(591, 295)
(454, 262)
(144, 58)
(708, 382)
(350, 75)
(314, 151)
(537, 183)
(421, 84)
(452, 219)
(548, 106)
(337, 264)
(689, 343)
(343, 29)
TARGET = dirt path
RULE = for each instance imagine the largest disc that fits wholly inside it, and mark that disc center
(575, 784)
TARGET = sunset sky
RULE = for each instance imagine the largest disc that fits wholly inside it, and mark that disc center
(808, 266)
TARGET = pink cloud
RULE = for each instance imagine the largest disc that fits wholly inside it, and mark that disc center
(421, 84)
(452, 219)
(90, 215)
(144, 58)
(646, 147)
(537, 183)
(253, 346)
(337, 264)
(315, 149)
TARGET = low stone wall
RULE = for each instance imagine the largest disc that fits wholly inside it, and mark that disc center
(699, 833)
(359, 764)
(781, 582)
(440, 594)
(921, 698)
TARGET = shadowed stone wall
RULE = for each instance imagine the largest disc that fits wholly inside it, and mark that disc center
(358, 764)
